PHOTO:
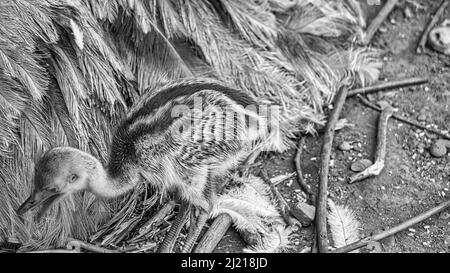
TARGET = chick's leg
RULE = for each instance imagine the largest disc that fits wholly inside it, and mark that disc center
(197, 226)
(195, 231)
(174, 231)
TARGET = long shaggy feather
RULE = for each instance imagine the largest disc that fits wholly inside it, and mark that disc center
(344, 227)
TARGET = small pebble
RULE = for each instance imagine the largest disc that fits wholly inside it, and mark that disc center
(439, 149)
(361, 165)
(345, 146)
(422, 117)
(389, 241)
(384, 104)
(383, 29)
(408, 13)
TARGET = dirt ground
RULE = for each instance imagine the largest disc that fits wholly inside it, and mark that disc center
(413, 181)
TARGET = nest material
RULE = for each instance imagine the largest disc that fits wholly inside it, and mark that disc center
(70, 69)
(248, 202)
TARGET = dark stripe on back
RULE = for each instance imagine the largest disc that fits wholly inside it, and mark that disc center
(172, 93)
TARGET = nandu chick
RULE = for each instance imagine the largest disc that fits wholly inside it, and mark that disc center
(176, 138)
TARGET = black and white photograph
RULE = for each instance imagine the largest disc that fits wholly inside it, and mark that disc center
(228, 129)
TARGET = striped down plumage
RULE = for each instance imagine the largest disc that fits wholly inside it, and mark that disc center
(180, 134)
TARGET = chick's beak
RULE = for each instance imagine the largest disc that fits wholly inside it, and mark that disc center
(44, 197)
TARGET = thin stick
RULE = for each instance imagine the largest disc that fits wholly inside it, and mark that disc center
(281, 179)
(431, 24)
(214, 234)
(380, 154)
(376, 23)
(385, 86)
(138, 247)
(146, 247)
(321, 207)
(282, 204)
(385, 234)
(301, 181)
(52, 251)
(405, 120)
(78, 245)
(321, 212)
(314, 248)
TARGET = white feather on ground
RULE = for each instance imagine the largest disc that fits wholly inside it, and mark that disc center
(344, 226)
(248, 202)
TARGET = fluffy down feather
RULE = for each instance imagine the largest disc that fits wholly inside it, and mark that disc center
(248, 201)
(344, 226)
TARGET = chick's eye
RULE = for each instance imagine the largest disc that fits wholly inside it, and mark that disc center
(73, 177)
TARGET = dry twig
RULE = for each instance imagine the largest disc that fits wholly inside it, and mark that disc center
(305, 187)
(321, 208)
(214, 234)
(405, 120)
(393, 231)
(53, 251)
(79, 245)
(141, 248)
(387, 86)
(431, 24)
(282, 204)
(281, 178)
(155, 220)
(380, 154)
(376, 23)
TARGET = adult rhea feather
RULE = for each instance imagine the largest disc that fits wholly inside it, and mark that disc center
(69, 70)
